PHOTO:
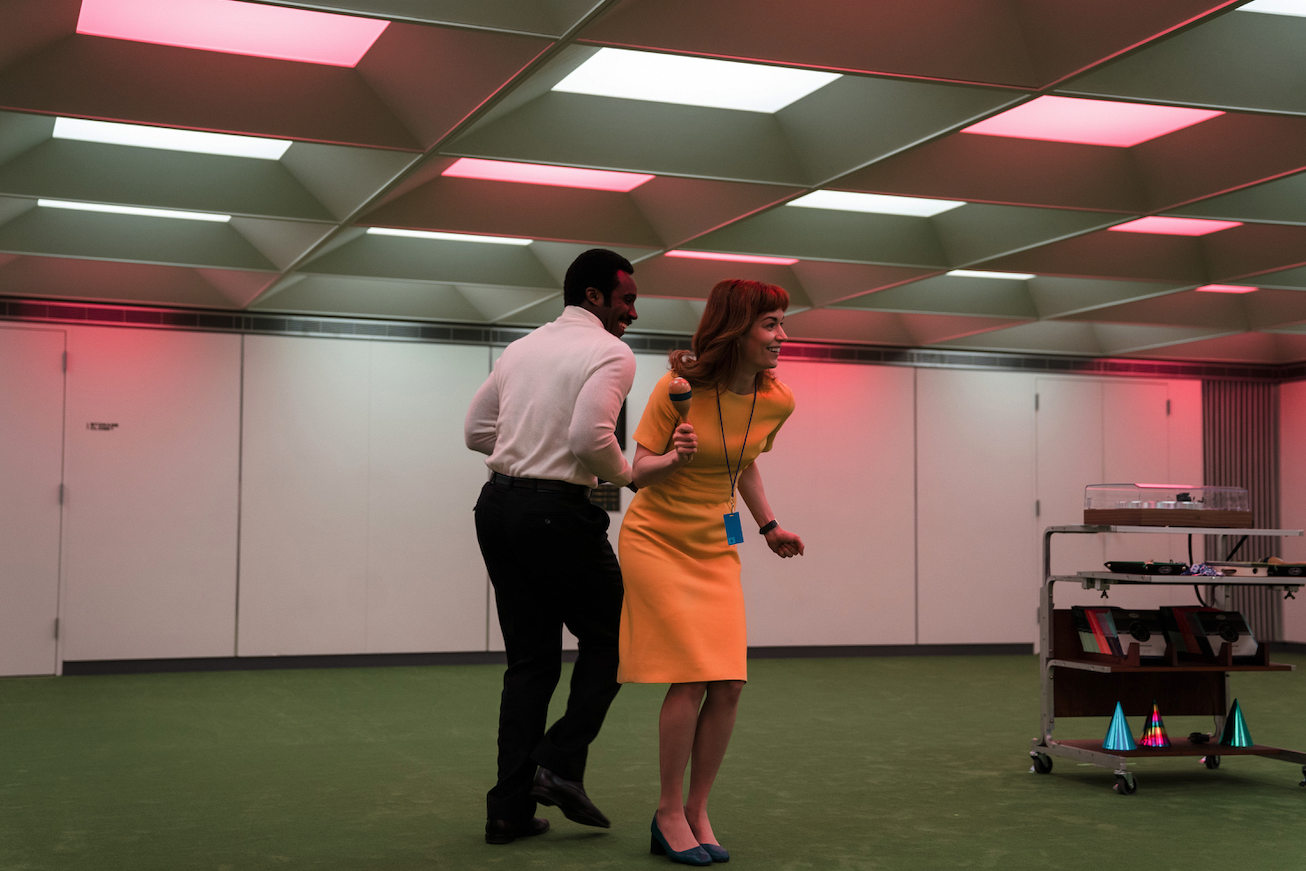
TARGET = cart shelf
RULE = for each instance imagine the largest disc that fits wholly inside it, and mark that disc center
(1078, 684)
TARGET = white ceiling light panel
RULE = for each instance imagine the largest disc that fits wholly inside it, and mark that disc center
(975, 273)
(133, 210)
(879, 204)
(1276, 7)
(447, 237)
(143, 136)
(691, 81)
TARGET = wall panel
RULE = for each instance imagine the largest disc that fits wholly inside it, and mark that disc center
(31, 469)
(426, 579)
(841, 476)
(304, 496)
(1292, 495)
(978, 547)
(151, 509)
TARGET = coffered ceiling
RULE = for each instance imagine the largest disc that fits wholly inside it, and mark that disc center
(1089, 177)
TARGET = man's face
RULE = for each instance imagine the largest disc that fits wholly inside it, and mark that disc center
(620, 310)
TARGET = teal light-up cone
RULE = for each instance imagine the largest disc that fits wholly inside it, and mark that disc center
(1235, 729)
(1118, 736)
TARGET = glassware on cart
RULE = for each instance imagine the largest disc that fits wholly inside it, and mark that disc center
(1167, 505)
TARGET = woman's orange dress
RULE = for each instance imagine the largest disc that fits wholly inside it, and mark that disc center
(683, 616)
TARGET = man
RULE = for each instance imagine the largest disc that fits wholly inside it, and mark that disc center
(547, 416)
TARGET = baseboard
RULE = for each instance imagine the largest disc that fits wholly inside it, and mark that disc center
(890, 650)
(1287, 646)
(385, 660)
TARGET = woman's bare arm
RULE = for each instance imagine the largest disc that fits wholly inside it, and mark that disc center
(651, 468)
(782, 542)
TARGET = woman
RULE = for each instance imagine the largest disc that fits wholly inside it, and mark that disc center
(682, 622)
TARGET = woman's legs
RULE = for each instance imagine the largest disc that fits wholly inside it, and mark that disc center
(689, 727)
(715, 723)
(677, 726)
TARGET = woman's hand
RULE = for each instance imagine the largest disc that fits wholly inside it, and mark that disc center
(784, 543)
(650, 468)
(685, 443)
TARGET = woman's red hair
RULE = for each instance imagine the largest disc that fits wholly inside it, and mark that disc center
(733, 306)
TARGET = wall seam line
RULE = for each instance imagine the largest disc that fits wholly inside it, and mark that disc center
(240, 495)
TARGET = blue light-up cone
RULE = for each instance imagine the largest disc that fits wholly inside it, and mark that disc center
(1118, 736)
(1235, 729)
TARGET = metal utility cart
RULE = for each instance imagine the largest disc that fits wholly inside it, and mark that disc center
(1078, 684)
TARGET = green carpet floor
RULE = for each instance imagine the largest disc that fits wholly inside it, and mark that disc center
(879, 763)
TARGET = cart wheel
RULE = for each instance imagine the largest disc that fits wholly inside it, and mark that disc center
(1211, 762)
(1126, 784)
(1042, 763)
(1303, 776)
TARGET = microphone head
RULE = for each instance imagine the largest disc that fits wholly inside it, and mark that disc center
(680, 396)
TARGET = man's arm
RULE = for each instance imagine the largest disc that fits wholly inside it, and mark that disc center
(592, 436)
(481, 428)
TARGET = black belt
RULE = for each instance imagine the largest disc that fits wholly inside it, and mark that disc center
(542, 484)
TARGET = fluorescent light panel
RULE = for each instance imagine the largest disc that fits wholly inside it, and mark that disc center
(556, 176)
(235, 28)
(133, 210)
(1226, 288)
(142, 136)
(447, 237)
(972, 273)
(879, 204)
(691, 81)
(1275, 7)
(1090, 122)
(734, 258)
(1174, 226)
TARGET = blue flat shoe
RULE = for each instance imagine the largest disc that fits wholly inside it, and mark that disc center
(693, 856)
(716, 852)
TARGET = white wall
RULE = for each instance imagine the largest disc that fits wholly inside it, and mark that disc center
(356, 521)
(978, 537)
(31, 467)
(914, 490)
(841, 476)
(149, 552)
(1292, 495)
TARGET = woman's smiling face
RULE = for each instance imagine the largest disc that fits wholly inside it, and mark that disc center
(759, 348)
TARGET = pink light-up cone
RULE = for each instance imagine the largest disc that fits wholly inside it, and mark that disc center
(1154, 732)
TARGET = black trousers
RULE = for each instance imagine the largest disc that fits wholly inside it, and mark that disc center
(551, 565)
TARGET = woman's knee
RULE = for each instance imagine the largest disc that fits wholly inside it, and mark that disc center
(727, 691)
(687, 691)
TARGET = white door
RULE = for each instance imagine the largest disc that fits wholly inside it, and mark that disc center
(31, 470)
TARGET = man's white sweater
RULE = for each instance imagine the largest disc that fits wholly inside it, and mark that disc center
(549, 409)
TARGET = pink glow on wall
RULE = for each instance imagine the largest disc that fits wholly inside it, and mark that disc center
(235, 28)
(1090, 122)
(556, 176)
(1174, 226)
(1226, 288)
(734, 258)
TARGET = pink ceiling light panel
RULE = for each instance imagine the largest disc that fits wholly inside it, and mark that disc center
(1174, 226)
(557, 176)
(1090, 122)
(235, 28)
(734, 258)
(1226, 288)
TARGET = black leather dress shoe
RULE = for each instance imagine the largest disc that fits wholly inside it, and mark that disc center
(569, 797)
(504, 832)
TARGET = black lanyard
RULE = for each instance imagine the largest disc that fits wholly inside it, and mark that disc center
(739, 467)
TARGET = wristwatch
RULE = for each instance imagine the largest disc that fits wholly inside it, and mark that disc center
(770, 526)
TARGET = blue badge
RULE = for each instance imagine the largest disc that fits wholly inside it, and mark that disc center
(734, 531)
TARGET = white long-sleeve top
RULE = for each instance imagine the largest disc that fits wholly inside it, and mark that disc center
(549, 409)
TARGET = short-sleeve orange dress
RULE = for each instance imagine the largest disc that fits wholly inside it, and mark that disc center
(683, 616)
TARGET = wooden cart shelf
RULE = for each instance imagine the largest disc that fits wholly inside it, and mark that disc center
(1078, 684)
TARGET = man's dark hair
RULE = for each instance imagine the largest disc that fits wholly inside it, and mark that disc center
(596, 268)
